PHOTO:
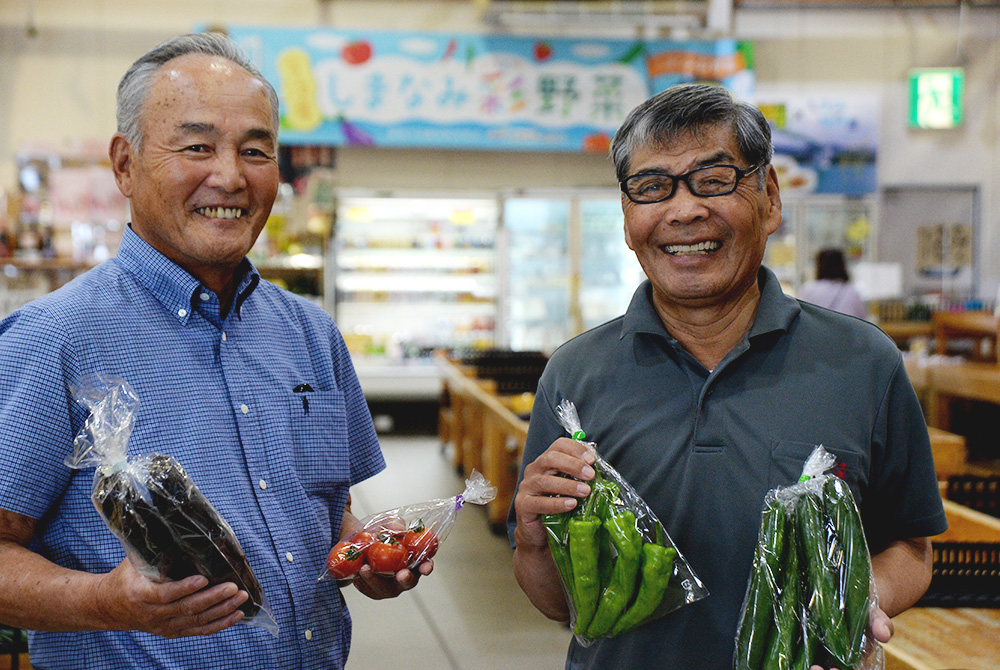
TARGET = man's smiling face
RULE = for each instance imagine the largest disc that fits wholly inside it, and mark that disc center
(202, 185)
(700, 251)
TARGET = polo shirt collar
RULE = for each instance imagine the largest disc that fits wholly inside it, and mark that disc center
(169, 283)
(776, 311)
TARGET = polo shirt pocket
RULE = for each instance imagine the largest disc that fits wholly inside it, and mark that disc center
(789, 457)
(319, 440)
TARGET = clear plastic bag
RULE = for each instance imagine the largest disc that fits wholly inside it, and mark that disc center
(811, 592)
(402, 537)
(618, 567)
(169, 530)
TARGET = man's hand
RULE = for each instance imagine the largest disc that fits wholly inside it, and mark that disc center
(378, 587)
(552, 484)
(881, 629)
(130, 601)
(545, 488)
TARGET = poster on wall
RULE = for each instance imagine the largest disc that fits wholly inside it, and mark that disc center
(438, 90)
(823, 143)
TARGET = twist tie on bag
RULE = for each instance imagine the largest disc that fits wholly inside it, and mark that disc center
(478, 491)
(815, 471)
(103, 441)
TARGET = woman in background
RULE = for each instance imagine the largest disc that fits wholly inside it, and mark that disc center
(832, 288)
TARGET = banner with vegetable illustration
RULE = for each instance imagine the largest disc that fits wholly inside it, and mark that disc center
(428, 90)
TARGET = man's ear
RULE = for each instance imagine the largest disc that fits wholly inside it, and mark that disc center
(773, 217)
(628, 238)
(120, 153)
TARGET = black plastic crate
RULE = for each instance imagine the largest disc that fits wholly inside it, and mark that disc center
(513, 371)
(979, 493)
(966, 574)
(13, 643)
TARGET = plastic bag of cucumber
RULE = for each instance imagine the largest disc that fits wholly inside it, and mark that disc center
(618, 567)
(811, 591)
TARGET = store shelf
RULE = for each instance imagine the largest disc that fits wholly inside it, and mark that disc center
(411, 380)
(414, 274)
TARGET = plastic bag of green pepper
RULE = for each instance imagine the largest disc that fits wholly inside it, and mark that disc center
(811, 591)
(618, 567)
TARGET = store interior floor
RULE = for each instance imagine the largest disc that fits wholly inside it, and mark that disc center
(469, 614)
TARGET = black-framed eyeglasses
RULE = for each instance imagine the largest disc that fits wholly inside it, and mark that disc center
(706, 182)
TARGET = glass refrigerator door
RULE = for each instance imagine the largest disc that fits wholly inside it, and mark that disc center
(609, 272)
(810, 224)
(537, 296)
(841, 223)
(415, 274)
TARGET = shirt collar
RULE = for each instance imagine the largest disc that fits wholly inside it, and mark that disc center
(775, 312)
(171, 284)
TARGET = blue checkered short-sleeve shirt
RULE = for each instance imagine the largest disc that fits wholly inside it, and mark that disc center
(218, 396)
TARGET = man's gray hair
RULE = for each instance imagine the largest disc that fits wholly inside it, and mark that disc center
(691, 108)
(133, 89)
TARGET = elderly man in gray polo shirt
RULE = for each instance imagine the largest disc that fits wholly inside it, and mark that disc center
(714, 387)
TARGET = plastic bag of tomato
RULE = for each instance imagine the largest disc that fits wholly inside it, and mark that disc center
(403, 537)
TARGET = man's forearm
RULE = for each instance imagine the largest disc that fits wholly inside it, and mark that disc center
(538, 577)
(36, 594)
(902, 574)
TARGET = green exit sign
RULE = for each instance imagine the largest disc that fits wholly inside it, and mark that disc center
(936, 97)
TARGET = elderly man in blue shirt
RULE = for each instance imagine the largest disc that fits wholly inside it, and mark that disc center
(219, 359)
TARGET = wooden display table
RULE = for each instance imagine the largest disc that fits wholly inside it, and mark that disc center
(902, 332)
(982, 327)
(484, 433)
(972, 381)
(950, 453)
(962, 638)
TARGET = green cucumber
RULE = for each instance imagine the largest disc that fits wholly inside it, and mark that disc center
(759, 609)
(825, 604)
(855, 578)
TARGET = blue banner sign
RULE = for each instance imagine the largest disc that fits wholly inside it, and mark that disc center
(429, 90)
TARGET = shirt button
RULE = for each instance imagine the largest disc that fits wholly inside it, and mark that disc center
(244, 409)
(309, 634)
(182, 313)
(205, 296)
(291, 559)
(223, 337)
(262, 484)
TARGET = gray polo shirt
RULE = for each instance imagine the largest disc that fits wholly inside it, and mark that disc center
(703, 448)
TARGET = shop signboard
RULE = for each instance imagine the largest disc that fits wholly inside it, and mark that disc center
(823, 143)
(472, 91)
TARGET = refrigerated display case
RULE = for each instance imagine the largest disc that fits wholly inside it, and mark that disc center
(814, 222)
(414, 274)
(536, 264)
(609, 270)
(566, 266)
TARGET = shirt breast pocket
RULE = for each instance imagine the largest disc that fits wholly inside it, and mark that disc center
(319, 440)
(788, 459)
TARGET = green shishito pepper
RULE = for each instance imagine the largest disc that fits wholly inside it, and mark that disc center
(657, 568)
(627, 541)
(585, 552)
(557, 526)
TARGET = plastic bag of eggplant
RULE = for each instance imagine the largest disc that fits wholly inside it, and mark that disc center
(168, 528)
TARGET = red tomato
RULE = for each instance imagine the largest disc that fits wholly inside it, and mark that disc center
(387, 556)
(357, 52)
(363, 540)
(345, 560)
(421, 541)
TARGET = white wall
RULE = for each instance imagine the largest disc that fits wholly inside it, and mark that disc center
(58, 87)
